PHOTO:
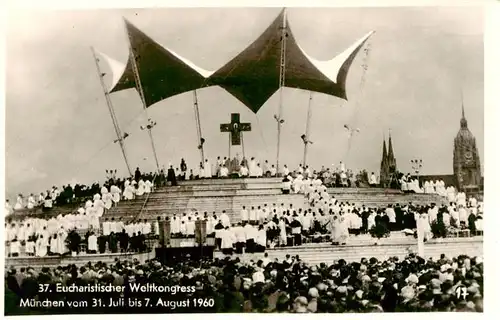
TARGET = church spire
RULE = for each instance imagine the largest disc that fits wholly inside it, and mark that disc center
(391, 151)
(384, 152)
(463, 121)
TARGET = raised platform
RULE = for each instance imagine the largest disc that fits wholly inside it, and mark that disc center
(215, 195)
(79, 260)
(355, 250)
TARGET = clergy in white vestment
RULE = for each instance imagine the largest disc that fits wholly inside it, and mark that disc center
(148, 186)
(128, 191)
(252, 216)
(273, 171)
(286, 172)
(140, 188)
(243, 171)
(92, 243)
(31, 201)
(261, 240)
(30, 248)
(107, 199)
(19, 202)
(8, 208)
(240, 239)
(259, 171)
(15, 248)
(373, 179)
(190, 228)
(62, 235)
(175, 225)
(282, 230)
(116, 193)
(106, 228)
(207, 169)
(224, 172)
(53, 244)
(41, 246)
(104, 190)
(227, 240)
(252, 168)
(244, 214)
(225, 219)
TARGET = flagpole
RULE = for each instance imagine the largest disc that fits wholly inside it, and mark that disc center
(198, 125)
(281, 85)
(112, 114)
(308, 125)
(143, 99)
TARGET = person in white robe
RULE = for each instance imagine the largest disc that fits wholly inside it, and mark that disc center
(140, 188)
(228, 239)
(107, 199)
(190, 228)
(116, 194)
(31, 202)
(243, 171)
(286, 171)
(239, 237)
(252, 216)
(259, 171)
(297, 183)
(8, 208)
(30, 248)
(92, 243)
(225, 219)
(148, 186)
(373, 180)
(207, 168)
(244, 214)
(463, 214)
(224, 172)
(41, 246)
(252, 168)
(15, 248)
(128, 192)
(98, 205)
(53, 244)
(175, 225)
(62, 235)
(282, 229)
(273, 171)
(19, 202)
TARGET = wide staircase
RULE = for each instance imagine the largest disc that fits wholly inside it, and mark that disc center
(375, 197)
(397, 245)
(216, 195)
(208, 196)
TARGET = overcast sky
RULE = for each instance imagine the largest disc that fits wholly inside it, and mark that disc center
(58, 129)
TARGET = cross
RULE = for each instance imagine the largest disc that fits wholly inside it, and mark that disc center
(235, 128)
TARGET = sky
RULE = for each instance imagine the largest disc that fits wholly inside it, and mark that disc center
(58, 129)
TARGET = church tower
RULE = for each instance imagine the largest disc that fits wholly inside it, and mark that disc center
(466, 162)
(387, 165)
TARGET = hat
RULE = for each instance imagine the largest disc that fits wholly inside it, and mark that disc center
(313, 293)
(412, 278)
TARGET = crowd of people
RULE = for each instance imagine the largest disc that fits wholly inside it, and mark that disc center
(70, 233)
(321, 218)
(411, 284)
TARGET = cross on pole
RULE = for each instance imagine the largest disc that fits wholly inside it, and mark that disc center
(235, 128)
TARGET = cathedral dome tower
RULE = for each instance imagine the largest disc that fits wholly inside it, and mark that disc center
(466, 161)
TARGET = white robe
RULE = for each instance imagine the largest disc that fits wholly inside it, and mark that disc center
(61, 241)
(252, 168)
(148, 186)
(207, 168)
(140, 188)
(19, 203)
(228, 239)
(92, 242)
(225, 220)
(41, 247)
(128, 193)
